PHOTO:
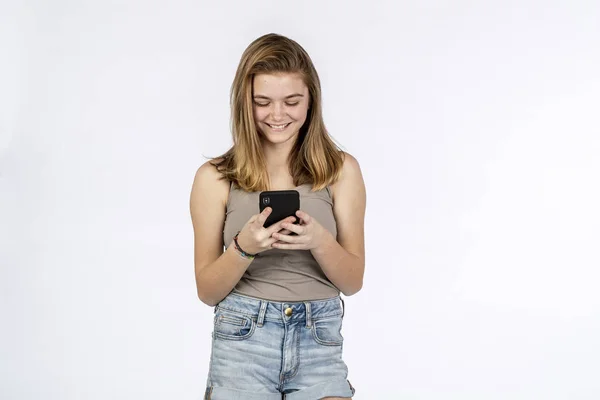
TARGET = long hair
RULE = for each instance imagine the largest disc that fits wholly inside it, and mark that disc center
(314, 159)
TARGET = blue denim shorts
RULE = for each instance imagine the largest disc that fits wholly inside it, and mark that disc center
(264, 350)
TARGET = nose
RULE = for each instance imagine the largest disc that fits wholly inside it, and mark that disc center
(277, 112)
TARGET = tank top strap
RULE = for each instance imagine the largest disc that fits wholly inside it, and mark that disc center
(328, 189)
(231, 188)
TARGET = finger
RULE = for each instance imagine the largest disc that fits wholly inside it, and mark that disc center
(287, 238)
(287, 246)
(269, 242)
(262, 217)
(303, 216)
(276, 227)
(297, 229)
(285, 232)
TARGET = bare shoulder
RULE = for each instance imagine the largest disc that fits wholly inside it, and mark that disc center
(351, 166)
(208, 182)
(351, 179)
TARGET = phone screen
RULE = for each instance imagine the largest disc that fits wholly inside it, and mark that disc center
(284, 203)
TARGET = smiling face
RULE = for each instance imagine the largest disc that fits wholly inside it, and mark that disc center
(280, 105)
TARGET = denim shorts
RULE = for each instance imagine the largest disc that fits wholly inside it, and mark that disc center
(265, 350)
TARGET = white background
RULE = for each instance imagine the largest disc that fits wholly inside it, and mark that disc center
(477, 128)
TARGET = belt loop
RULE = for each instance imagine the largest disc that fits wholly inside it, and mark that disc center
(261, 313)
(343, 307)
(308, 315)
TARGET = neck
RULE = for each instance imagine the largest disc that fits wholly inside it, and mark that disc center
(276, 157)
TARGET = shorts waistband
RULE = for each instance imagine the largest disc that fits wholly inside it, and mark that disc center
(289, 312)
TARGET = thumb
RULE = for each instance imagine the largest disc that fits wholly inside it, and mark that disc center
(262, 217)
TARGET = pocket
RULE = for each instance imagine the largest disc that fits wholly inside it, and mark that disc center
(328, 331)
(231, 325)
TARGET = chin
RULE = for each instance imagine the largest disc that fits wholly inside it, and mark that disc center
(273, 139)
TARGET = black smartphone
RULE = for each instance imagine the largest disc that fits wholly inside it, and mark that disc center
(284, 203)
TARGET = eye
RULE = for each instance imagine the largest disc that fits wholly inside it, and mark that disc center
(261, 104)
(293, 104)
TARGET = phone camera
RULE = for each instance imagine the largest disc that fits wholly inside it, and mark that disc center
(266, 200)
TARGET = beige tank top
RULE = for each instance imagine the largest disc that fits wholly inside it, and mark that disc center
(282, 275)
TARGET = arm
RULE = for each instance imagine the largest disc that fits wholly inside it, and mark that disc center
(217, 272)
(343, 261)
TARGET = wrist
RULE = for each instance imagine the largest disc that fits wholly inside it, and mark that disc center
(245, 252)
(324, 244)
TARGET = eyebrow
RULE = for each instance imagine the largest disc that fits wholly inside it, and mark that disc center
(260, 96)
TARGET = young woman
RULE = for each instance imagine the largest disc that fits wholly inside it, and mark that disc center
(276, 290)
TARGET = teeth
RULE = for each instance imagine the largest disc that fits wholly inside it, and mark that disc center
(278, 126)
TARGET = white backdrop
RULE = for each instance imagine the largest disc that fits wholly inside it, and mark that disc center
(476, 126)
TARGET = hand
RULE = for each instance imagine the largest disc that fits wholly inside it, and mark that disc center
(254, 237)
(309, 234)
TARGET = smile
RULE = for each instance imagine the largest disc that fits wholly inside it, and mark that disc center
(279, 128)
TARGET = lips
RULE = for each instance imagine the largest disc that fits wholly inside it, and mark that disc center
(279, 127)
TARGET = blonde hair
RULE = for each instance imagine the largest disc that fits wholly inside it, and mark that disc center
(315, 159)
